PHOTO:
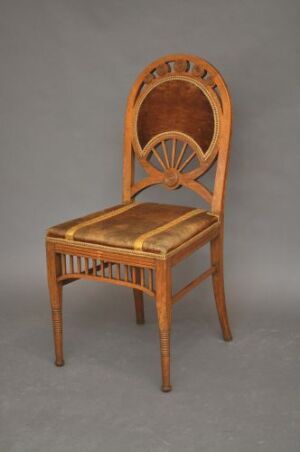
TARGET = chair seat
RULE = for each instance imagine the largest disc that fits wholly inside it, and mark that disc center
(151, 227)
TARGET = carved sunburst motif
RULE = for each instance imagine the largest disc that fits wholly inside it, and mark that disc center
(175, 155)
(172, 154)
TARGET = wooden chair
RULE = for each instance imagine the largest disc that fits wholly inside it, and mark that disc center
(178, 124)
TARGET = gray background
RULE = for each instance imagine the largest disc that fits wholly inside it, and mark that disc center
(66, 70)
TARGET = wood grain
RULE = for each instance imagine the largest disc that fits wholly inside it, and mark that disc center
(175, 147)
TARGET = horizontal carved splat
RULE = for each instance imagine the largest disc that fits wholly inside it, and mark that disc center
(78, 267)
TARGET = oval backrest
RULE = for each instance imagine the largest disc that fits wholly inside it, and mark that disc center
(178, 120)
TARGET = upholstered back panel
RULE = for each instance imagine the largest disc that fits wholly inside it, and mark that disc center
(176, 105)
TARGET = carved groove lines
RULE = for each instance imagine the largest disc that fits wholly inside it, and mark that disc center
(57, 320)
(165, 343)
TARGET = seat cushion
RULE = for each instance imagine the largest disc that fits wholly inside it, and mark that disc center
(146, 226)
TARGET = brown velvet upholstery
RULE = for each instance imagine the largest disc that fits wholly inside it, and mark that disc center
(176, 105)
(125, 229)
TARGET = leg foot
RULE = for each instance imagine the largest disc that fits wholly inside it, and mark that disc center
(166, 388)
(59, 363)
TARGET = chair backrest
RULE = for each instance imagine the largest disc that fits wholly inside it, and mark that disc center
(178, 123)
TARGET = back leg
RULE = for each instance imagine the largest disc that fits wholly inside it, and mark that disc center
(218, 285)
(139, 301)
(139, 306)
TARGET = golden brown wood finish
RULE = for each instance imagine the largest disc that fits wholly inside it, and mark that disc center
(138, 297)
(54, 265)
(164, 314)
(218, 284)
(175, 147)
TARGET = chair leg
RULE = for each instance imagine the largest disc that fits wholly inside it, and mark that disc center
(138, 301)
(164, 314)
(218, 285)
(55, 292)
(139, 306)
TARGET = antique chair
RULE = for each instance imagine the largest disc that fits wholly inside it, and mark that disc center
(178, 125)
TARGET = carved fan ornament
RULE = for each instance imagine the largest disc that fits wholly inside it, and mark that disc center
(171, 153)
(173, 156)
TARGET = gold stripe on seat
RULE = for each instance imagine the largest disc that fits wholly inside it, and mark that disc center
(138, 244)
(71, 232)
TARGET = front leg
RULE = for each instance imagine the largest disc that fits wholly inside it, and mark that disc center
(164, 314)
(55, 292)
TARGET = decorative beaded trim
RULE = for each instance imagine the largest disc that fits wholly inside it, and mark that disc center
(205, 91)
(180, 136)
(165, 344)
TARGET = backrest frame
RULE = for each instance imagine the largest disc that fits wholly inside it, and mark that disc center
(205, 76)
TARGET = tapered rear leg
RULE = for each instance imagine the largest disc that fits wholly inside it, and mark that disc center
(218, 285)
(138, 300)
(55, 292)
(139, 306)
(164, 314)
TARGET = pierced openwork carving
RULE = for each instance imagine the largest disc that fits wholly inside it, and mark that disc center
(78, 267)
(210, 81)
(174, 160)
(163, 69)
(178, 103)
(198, 70)
(149, 78)
(189, 69)
(181, 66)
(173, 154)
